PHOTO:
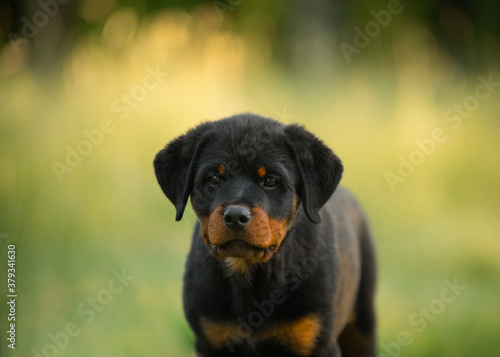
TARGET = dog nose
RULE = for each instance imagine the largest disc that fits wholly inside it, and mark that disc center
(236, 217)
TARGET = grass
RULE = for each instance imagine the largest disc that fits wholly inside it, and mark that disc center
(109, 213)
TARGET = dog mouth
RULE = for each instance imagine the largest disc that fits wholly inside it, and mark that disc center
(240, 249)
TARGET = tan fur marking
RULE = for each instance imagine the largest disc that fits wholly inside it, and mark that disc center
(213, 228)
(300, 336)
(262, 171)
(239, 265)
(222, 169)
(258, 230)
(215, 331)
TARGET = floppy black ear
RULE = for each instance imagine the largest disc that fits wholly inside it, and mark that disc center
(319, 168)
(174, 169)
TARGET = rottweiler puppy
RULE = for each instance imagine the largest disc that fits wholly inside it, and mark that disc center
(279, 265)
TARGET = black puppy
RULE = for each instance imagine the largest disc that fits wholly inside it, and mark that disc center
(279, 265)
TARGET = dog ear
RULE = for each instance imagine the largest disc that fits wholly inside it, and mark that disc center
(174, 168)
(319, 168)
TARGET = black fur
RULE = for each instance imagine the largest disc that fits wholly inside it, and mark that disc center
(333, 286)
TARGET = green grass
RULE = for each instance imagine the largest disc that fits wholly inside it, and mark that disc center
(109, 213)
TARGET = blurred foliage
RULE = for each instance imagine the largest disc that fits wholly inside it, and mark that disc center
(108, 212)
(299, 32)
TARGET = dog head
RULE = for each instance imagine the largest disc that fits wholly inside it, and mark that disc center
(247, 177)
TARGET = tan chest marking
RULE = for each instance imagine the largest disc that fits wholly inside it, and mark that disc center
(299, 336)
(217, 332)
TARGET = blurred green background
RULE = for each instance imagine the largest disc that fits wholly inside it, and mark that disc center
(401, 107)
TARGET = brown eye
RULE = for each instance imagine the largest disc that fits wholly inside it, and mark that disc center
(270, 182)
(214, 179)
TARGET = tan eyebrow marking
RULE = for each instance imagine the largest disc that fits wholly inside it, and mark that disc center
(262, 171)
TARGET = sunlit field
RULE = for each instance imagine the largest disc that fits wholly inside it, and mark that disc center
(80, 200)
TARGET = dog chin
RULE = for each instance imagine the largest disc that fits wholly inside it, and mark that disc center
(243, 250)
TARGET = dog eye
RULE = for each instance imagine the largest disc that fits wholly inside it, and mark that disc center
(214, 179)
(270, 182)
